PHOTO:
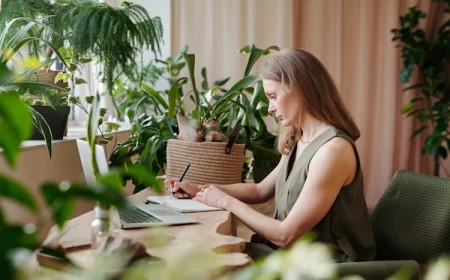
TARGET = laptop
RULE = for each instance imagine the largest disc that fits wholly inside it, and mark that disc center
(139, 215)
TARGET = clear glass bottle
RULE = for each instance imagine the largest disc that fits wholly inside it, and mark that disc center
(101, 227)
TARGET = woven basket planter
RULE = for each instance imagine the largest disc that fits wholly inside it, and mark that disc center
(44, 76)
(209, 161)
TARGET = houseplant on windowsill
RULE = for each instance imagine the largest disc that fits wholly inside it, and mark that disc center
(11, 44)
(114, 37)
(54, 108)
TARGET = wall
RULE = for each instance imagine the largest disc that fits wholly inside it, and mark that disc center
(214, 30)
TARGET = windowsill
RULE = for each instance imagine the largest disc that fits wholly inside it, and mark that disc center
(73, 132)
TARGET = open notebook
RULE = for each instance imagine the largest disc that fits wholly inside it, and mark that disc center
(182, 205)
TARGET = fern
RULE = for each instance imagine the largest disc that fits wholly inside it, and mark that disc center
(117, 36)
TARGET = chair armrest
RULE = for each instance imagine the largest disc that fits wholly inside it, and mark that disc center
(378, 270)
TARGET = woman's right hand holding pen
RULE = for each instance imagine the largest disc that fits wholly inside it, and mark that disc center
(181, 189)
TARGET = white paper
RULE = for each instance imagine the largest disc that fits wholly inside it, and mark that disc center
(182, 205)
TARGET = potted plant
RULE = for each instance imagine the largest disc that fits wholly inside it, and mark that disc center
(429, 55)
(147, 145)
(233, 107)
(10, 46)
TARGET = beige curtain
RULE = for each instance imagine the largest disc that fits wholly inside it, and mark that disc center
(215, 29)
(353, 40)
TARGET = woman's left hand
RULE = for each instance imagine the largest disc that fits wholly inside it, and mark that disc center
(212, 196)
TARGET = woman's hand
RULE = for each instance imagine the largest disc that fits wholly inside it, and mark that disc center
(181, 189)
(213, 196)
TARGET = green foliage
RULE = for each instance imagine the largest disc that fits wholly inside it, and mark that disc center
(13, 129)
(115, 36)
(9, 46)
(150, 131)
(430, 55)
(18, 239)
(146, 148)
(146, 109)
(240, 104)
(12, 9)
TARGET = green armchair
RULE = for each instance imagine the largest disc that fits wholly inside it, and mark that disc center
(411, 224)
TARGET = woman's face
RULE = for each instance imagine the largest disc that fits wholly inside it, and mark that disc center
(281, 104)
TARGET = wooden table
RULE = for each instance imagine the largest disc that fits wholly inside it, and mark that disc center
(213, 233)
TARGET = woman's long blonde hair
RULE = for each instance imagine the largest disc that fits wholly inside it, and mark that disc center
(305, 77)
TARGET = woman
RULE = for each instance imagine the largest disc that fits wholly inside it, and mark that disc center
(318, 183)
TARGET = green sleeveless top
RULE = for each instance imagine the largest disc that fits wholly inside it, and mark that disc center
(346, 227)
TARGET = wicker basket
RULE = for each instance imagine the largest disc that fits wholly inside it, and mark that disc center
(44, 76)
(211, 162)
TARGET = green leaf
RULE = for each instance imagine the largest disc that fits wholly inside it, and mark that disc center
(85, 60)
(10, 47)
(155, 94)
(61, 207)
(59, 77)
(232, 92)
(72, 67)
(441, 126)
(249, 112)
(144, 175)
(421, 86)
(271, 48)
(416, 111)
(415, 133)
(442, 152)
(190, 61)
(205, 85)
(407, 107)
(93, 123)
(258, 95)
(80, 81)
(432, 143)
(174, 93)
(15, 125)
(113, 126)
(221, 82)
(89, 99)
(255, 54)
(14, 239)
(245, 49)
(112, 180)
(16, 192)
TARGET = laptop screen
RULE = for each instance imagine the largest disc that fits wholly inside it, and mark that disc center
(86, 163)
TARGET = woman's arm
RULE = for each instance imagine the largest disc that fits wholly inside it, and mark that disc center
(332, 167)
(247, 192)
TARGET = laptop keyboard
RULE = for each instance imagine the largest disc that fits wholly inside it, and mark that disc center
(136, 215)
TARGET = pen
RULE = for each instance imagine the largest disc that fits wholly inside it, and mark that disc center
(181, 178)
